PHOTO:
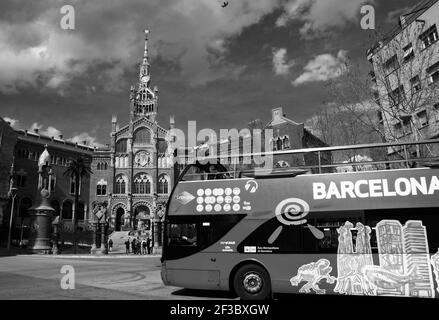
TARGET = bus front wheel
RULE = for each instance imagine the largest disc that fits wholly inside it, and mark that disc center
(252, 282)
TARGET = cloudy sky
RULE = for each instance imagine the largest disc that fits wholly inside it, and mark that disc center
(222, 67)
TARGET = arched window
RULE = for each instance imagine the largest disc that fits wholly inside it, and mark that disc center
(67, 212)
(142, 136)
(286, 142)
(99, 166)
(126, 162)
(279, 143)
(55, 205)
(142, 184)
(105, 166)
(121, 146)
(122, 162)
(25, 204)
(120, 185)
(163, 187)
(101, 188)
(21, 178)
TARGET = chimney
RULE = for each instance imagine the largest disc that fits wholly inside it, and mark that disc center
(402, 21)
(61, 136)
(171, 122)
(36, 130)
(8, 122)
(114, 124)
(84, 143)
(277, 114)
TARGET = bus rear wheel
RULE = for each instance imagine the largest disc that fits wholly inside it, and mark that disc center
(252, 282)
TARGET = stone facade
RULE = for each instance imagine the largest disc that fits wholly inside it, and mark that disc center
(28, 149)
(8, 139)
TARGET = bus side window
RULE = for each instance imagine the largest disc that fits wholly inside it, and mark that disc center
(193, 174)
(182, 234)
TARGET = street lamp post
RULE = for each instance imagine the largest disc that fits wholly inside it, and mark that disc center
(156, 196)
(155, 237)
(13, 194)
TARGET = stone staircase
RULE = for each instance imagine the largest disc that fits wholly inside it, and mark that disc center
(119, 238)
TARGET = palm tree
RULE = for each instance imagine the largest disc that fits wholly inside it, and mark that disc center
(78, 168)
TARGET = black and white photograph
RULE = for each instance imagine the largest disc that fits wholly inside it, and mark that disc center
(211, 158)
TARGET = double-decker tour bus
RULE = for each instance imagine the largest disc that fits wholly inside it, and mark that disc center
(372, 233)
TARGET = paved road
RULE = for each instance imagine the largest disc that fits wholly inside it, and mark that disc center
(134, 278)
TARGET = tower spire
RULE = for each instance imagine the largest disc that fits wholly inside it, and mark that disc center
(145, 52)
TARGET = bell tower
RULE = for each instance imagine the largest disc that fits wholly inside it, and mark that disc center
(143, 99)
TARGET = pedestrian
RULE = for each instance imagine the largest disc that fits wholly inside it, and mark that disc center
(110, 244)
(127, 246)
(148, 244)
(133, 245)
(138, 246)
(144, 246)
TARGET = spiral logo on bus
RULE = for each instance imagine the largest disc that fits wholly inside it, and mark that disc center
(292, 212)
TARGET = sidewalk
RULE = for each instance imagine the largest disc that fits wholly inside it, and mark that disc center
(82, 253)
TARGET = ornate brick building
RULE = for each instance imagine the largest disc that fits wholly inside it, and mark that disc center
(133, 176)
(19, 154)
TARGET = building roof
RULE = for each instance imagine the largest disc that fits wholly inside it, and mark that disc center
(410, 17)
(280, 119)
(33, 137)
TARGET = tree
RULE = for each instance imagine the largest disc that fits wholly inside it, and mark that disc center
(338, 126)
(78, 169)
(403, 83)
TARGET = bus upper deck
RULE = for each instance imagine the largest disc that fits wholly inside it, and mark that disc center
(382, 156)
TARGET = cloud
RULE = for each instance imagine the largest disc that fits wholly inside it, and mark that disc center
(280, 64)
(193, 34)
(14, 122)
(393, 16)
(35, 51)
(319, 16)
(79, 138)
(323, 68)
(292, 11)
(35, 126)
(49, 131)
(86, 137)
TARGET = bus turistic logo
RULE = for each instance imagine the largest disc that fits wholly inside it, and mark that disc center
(292, 212)
(185, 197)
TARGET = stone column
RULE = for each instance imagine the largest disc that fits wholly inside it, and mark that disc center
(103, 239)
(41, 224)
(163, 231)
(95, 235)
(55, 237)
(156, 236)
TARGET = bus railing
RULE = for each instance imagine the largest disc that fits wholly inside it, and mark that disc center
(397, 155)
